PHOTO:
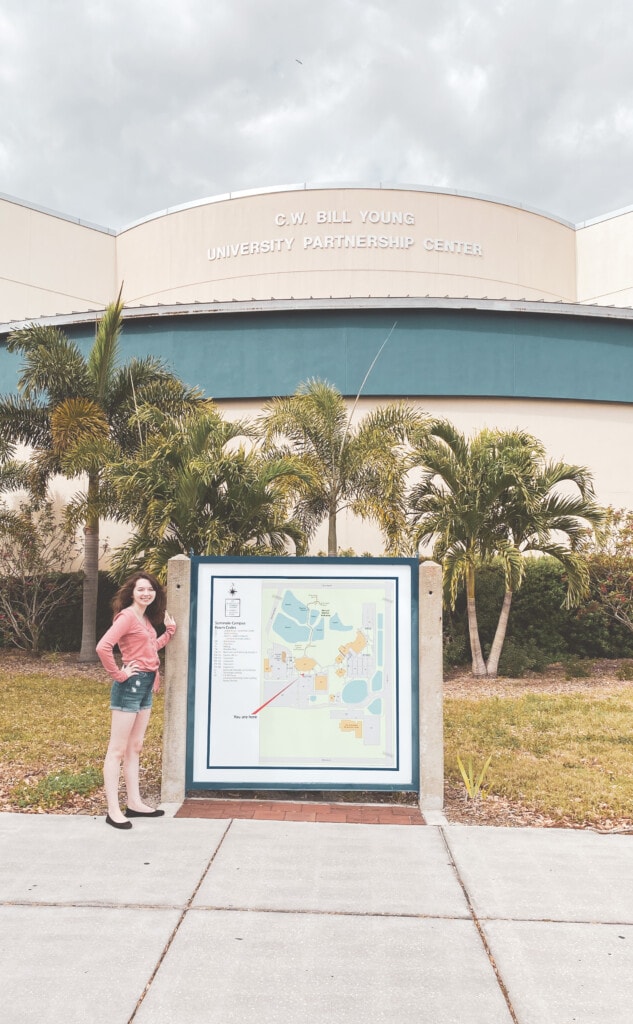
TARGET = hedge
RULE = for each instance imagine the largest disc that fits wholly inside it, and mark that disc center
(539, 626)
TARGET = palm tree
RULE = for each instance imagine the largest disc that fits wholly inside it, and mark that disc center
(495, 497)
(544, 519)
(453, 504)
(360, 467)
(191, 487)
(74, 412)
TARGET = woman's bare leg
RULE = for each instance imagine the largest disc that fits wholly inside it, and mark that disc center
(120, 729)
(131, 761)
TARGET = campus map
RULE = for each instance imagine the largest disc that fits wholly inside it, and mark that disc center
(328, 673)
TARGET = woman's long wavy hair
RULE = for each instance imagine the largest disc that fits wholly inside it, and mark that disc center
(124, 598)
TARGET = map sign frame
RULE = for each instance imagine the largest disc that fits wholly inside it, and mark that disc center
(303, 674)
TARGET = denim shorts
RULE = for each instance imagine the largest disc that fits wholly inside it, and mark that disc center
(135, 694)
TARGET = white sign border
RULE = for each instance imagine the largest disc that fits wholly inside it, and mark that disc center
(403, 777)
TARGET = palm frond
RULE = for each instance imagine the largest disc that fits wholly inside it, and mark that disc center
(103, 355)
(54, 367)
(24, 421)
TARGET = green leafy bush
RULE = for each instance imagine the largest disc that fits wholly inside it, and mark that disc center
(62, 631)
(575, 668)
(455, 647)
(514, 660)
(541, 629)
(518, 658)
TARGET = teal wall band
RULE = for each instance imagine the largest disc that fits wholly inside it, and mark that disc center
(430, 353)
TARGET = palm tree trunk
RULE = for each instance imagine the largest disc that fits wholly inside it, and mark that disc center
(500, 635)
(478, 663)
(91, 579)
(332, 543)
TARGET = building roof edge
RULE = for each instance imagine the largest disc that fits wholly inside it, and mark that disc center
(306, 187)
(530, 306)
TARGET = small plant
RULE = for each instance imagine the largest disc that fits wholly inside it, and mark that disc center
(474, 784)
(515, 660)
(519, 657)
(625, 671)
(577, 669)
(455, 650)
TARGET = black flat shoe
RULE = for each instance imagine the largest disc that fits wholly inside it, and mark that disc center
(129, 813)
(118, 824)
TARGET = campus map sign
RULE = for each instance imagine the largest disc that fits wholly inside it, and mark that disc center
(303, 674)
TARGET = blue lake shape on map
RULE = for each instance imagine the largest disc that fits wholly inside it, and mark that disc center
(340, 627)
(314, 615)
(355, 691)
(375, 707)
(318, 632)
(294, 607)
(290, 630)
(376, 683)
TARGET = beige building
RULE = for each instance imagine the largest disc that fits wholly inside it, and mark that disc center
(503, 315)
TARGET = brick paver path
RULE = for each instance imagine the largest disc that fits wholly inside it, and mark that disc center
(287, 810)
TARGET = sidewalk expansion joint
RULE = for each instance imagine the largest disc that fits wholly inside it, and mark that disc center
(92, 905)
(480, 931)
(178, 924)
(331, 913)
(558, 920)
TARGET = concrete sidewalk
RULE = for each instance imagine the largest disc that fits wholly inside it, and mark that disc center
(184, 921)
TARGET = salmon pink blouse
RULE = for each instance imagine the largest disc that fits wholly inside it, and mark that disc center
(137, 641)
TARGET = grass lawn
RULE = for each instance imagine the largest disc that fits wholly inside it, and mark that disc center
(567, 757)
(54, 732)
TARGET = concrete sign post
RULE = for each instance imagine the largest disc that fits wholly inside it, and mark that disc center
(176, 674)
(430, 678)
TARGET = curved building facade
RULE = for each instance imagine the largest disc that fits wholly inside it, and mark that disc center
(496, 315)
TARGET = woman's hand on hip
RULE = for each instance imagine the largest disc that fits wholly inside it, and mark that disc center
(130, 670)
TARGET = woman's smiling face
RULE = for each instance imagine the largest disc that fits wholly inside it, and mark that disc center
(143, 593)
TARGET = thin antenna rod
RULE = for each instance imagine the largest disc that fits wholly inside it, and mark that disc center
(365, 379)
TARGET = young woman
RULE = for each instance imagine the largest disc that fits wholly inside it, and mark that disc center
(139, 606)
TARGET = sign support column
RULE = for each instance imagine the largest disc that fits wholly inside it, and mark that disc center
(176, 672)
(431, 688)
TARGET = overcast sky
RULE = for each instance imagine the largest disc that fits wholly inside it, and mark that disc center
(111, 110)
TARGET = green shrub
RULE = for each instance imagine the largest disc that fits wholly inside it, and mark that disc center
(538, 618)
(518, 658)
(514, 660)
(455, 649)
(62, 632)
(539, 624)
(575, 668)
(625, 671)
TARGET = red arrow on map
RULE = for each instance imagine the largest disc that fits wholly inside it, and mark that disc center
(271, 699)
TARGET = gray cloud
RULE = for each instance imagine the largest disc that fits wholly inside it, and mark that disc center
(113, 109)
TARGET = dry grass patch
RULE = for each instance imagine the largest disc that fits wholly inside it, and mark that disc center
(54, 729)
(565, 757)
